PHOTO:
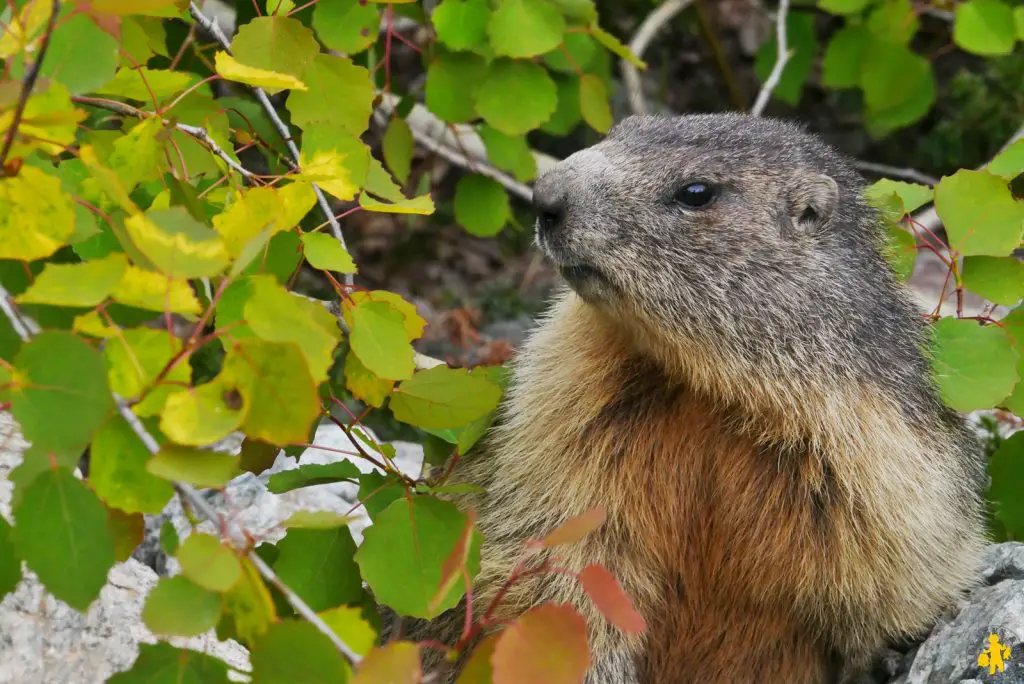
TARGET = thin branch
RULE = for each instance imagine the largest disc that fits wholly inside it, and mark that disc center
(282, 128)
(783, 55)
(29, 83)
(641, 39)
(197, 132)
(23, 324)
(909, 174)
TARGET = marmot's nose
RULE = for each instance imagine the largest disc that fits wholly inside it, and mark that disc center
(549, 201)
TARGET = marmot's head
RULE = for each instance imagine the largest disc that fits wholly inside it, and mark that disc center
(724, 227)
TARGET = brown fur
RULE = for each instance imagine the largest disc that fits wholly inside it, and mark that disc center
(772, 523)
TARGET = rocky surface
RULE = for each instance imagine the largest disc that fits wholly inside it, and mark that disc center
(44, 641)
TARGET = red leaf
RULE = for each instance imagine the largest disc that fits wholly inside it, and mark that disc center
(611, 599)
(395, 663)
(546, 645)
(575, 528)
(478, 667)
(451, 570)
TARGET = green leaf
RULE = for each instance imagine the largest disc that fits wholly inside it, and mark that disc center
(168, 538)
(509, 152)
(442, 397)
(897, 198)
(898, 84)
(143, 83)
(1006, 469)
(403, 553)
(202, 415)
(567, 113)
(340, 93)
(295, 651)
(377, 491)
(980, 214)
(84, 284)
(177, 607)
(844, 55)
(36, 217)
(975, 366)
(984, 27)
(35, 461)
(177, 244)
(136, 358)
(249, 605)
(311, 474)
(575, 54)
(161, 663)
(802, 40)
(594, 103)
(516, 96)
(348, 26)
(843, 6)
(317, 564)
(203, 468)
(276, 315)
(481, 205)
(363, 384)
(997, 279)
(117, 470)
(894, 20)
(461, 24)
(59, 375)
(81, 55)
(453, 80)
(61, 532)
(902, 251)
(525, 28)
(397, 146)
(208, 563)
(1018, 20)
(277, 389)
(1009, 163)
(616, 46)
(10, 561)
(280, 44)
(378, 337)
(325, 252)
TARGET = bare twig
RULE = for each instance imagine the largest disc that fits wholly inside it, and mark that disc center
(909, 174)
(783, 55)
(643, 36)
(197, 132)
(28, 83)
(24, 326)
(214, 29)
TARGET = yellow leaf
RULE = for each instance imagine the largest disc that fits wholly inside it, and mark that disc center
(36, 217)
(94, 325)
(178, 244)
(19, 32)
(153, 8)
(413, 323)
(103, 182)
(417, 205)
(48, 124)
(326, 169)
(155, 292)
(84, 284)
(296, 200)
(251, 212)
(144, 84)
(233, 70)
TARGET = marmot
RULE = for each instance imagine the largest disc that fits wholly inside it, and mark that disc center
(736, 375)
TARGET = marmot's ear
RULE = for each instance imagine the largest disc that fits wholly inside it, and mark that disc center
(810, 200)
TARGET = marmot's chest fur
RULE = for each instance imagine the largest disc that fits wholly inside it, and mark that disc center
(751, 561)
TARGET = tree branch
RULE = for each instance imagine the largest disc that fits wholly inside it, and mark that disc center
(783, 55)
(197, 132)
(26, 86)
(643, 36)
(905, 173)
(25, 328)
(213, 28)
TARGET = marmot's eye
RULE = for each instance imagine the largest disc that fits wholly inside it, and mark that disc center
(695, 194)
